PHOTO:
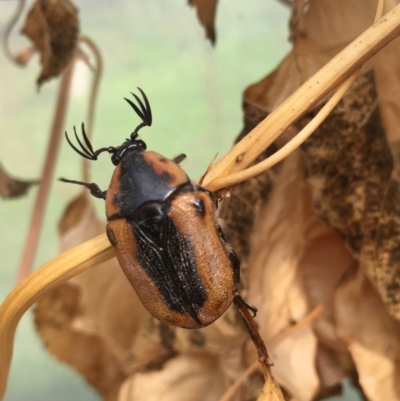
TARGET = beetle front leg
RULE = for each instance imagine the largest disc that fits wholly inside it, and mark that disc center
(93, 188)
(252, 329)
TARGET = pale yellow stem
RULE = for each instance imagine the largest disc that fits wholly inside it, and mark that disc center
(313, 90)
(251, 172)
(49, 276)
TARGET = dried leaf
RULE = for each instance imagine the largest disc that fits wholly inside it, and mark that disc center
(350, 172)
(275, 285)
(319, 35)
(52, 25)
(290, 269)
(182, 378)
(12, 187)
(206, 10)
(89, 322)
(159, 354)
(271, 391)
(372, 337)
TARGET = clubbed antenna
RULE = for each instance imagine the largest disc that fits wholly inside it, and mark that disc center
(143, 111)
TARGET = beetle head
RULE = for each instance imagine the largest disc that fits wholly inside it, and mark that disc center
(127, 146)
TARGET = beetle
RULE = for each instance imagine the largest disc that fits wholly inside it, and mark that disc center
(165, 233)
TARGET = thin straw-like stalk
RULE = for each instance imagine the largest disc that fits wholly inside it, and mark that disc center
(251, 172)
(293, 144)
(255, 366)
(49, 276)
(313, 90)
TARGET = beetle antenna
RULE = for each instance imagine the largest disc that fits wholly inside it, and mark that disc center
(86, 149)
(143, 111)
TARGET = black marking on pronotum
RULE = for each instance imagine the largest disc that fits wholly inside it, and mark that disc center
(137, 181)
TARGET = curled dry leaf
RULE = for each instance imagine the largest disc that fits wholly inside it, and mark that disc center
(52, 25)
(182, 378)
(172, 363)
(206, 10)
(89, 321)
(11, 187)
(271, 390)
(318, 35)
(353, 187)
(349, 167)
(372, 336)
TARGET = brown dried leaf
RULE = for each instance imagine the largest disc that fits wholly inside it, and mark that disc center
(350, 172)
(12, 187)
(289, 270)
(89, 322)
(182, 378)
(372, 337)
(271, 390)
(349, 167)
(52, 25)
(275, 285)
(159, 353)
(206, 10)
(318, 34)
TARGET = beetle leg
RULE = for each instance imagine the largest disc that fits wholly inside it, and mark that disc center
(94, 188)
(252, 329)
(180, 158)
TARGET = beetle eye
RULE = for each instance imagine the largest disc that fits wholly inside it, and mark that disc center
(141, 144)
(115, 158)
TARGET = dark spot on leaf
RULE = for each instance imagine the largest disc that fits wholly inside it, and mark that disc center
(197, 338)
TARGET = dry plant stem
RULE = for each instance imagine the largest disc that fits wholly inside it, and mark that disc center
(312, 91)
(379, 10)
(275, 342)
(93, 97)
(49, 276)
(47, 175)
(251, 172)
(285, 151)
(7, 32)
(243, 309)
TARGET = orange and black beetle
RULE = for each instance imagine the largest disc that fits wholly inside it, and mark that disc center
(165, 232)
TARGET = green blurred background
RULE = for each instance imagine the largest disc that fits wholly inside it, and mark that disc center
(195, 93)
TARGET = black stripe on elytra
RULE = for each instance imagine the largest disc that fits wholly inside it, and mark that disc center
(168, 259)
